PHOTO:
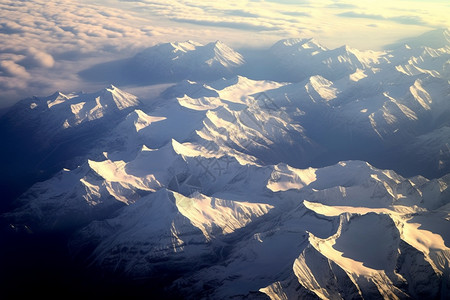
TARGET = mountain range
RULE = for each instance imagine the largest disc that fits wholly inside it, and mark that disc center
(328, 179)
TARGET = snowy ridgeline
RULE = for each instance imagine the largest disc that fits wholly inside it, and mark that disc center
(212, 183)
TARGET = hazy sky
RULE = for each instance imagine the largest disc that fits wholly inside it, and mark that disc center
(45, 43)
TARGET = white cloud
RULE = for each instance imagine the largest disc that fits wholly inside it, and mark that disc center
(37, 58)
(11, 69)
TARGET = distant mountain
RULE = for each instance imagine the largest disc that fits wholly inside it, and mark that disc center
(171, 62)
(301, 58)
(438, 38)
(290, 60)
(188, 60)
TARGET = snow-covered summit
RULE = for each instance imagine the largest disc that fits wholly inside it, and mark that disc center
(188, 59)
(301, 58)
(75, 108)
(298, 46)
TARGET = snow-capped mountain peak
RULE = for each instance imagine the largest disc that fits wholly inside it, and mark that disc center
(50, 117)
(120, 99)
(224, 55)
(183, 46)
(188, 59)
(299, 45)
